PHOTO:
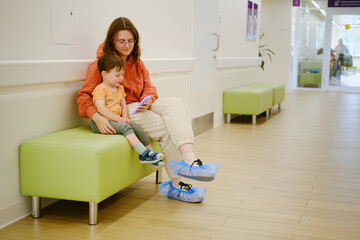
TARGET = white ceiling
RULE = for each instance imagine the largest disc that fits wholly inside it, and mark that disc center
(353, 20)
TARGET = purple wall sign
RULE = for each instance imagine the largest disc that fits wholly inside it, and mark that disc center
(249, 21)
(296, 3)
(343, 3)
(255, 20)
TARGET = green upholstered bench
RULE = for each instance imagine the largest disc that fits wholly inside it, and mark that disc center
(351, 69)
(79, 165)
(278, 91)
(307, 76)
(247, 100)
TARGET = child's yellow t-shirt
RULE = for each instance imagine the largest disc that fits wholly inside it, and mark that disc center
(112, 99)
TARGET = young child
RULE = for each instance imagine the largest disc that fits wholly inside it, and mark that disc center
(109, 99)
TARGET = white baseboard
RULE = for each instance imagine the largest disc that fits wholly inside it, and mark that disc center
(218, 121)
(20, 209)
(203, 123)
(14, 212)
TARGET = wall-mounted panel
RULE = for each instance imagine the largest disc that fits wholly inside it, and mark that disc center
(63, 22)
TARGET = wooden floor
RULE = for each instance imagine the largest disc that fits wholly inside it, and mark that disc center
(294, 176)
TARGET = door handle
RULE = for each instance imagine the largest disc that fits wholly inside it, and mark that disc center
(217, 41)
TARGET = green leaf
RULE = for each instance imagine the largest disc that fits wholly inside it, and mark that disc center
(262, 64)
(264, 51)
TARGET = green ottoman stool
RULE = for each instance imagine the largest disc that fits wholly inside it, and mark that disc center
(247, 100)
(308, 78)
(278, 91)
(79, 165)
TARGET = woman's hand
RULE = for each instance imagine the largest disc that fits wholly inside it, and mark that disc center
(103, 124)
(144, 107)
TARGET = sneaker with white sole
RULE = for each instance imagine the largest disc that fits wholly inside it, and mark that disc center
(150, 157)
(158, 164)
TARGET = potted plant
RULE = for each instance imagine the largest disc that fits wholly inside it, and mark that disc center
(263, 51)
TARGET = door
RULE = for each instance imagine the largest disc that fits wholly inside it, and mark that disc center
(204, 52)
(308, 45)
(341, 70)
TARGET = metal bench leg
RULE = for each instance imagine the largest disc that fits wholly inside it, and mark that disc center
(228, 117)
(253, 119)
(279, 106)
(93, 212)
(267, 113)
(36, 207)
(159, 175)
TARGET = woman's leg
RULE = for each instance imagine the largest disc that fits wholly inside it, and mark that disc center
(176, 119)
(160, 124)
(169, 119)
(154, 127)
(178, 123)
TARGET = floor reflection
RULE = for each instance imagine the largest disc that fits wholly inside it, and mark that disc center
(349, 78)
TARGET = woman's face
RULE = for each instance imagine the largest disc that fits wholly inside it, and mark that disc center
(124, 43)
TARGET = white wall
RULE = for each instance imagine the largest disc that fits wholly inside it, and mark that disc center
(26, 28)
(232, 29)
(237, 58)
(204, 74)
(276, 23)
(39, 80)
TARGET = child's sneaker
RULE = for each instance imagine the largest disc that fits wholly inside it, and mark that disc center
(158, 164)
(150, 157)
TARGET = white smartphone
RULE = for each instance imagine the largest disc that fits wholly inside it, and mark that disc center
(146, 99)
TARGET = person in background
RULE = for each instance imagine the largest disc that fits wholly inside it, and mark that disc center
(340, 51)
(332, 61)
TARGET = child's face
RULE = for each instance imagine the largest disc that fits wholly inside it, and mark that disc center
(113, 77)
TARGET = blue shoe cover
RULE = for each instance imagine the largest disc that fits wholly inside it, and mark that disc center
(193, 195)
(206, 172)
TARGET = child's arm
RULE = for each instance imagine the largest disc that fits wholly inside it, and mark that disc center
(104, 111)
(124, 110)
